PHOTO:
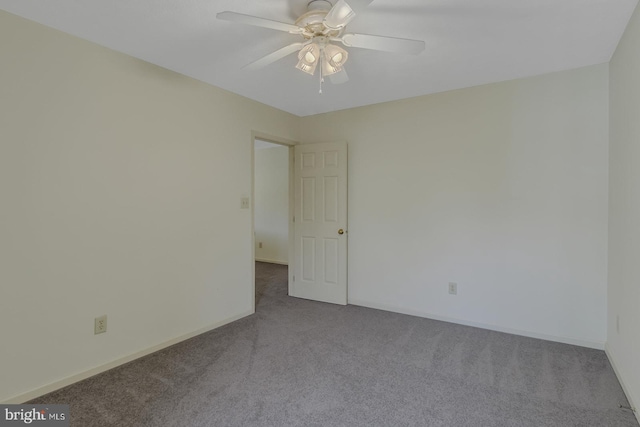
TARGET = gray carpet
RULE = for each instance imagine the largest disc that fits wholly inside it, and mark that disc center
(303, 363)
(269, 275)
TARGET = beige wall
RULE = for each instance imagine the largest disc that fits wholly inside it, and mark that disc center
(623, 337)
(271, 205)
(501, 189)
(120, 188)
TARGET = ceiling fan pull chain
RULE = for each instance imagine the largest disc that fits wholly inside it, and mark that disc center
(321, 79)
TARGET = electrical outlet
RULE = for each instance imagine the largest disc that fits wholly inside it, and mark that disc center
(100, 325)
(244, 203)
(453, 288)
(260, 245)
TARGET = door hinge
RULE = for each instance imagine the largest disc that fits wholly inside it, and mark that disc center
(294, 218)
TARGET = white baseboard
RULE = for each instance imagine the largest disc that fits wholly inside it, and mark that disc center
(24, 397)
(630, 397)
(272, 261)
(564, 340)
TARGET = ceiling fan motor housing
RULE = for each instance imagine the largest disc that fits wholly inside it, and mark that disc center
(313, 20)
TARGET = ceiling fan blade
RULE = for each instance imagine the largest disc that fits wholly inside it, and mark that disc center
(273, 57)
(387, 44)
(339, 15)
(259, 22)
(339, 77)
(342, 12)
(359, 5)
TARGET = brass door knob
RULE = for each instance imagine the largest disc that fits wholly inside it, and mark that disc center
(341, 231)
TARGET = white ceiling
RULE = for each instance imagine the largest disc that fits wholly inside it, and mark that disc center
(468, 42)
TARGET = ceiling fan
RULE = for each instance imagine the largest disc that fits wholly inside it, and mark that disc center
(321, 27)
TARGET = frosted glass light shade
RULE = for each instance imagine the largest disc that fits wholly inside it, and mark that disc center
(308, 58)
(333, 59)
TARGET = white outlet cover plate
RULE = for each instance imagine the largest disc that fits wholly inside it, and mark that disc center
(100, 325)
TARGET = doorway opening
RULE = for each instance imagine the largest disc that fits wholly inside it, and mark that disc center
(271, 214)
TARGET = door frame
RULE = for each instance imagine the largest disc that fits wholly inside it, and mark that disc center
(290, 254)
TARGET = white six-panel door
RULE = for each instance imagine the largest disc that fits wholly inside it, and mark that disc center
(320, 223)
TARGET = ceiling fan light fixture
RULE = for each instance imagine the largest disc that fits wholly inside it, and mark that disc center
(335, 55)
(333, 58)
(308, 58)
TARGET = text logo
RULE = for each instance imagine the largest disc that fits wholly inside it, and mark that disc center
(34, 415)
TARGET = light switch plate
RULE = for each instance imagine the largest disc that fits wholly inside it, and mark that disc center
(244, 203)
